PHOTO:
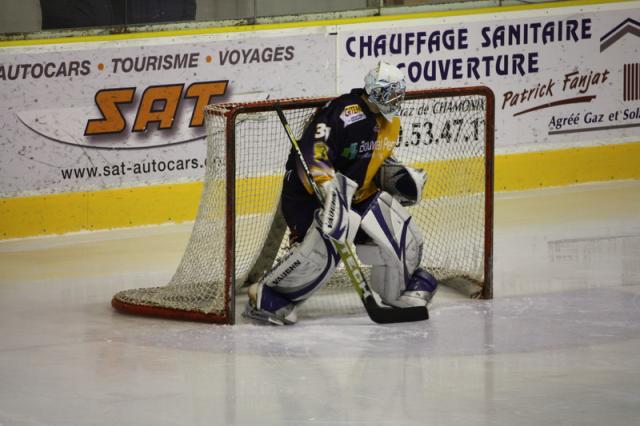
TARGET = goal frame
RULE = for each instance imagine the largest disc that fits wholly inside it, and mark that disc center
(154, 302)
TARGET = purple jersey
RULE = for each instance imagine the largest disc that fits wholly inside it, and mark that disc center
(344, 136)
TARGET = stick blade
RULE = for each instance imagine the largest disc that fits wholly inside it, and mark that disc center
(383, 315)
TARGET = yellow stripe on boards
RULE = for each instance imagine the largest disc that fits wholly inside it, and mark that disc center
(453, 177)
(117, 208)
(568, 166)
(257, 195)
(113, 208)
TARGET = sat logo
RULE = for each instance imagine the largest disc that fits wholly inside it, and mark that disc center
(158, 104)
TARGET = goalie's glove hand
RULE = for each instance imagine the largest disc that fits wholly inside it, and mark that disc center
(404, 183)
(334, 215)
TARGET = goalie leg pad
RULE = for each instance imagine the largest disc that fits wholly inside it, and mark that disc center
(305, 268)
(297, 275)
(395, 249)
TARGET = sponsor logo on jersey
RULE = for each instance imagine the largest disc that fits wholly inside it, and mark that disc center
(350, 151)
(367, 146)
(352, 114)
(365, 149)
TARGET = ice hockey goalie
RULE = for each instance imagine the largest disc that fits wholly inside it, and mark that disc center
(348, 147)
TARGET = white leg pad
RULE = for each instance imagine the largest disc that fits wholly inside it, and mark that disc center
(396, 248)
(304, 268)
(308, 265)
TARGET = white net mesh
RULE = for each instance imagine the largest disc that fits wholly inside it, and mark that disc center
(443, 135)
(198, 289)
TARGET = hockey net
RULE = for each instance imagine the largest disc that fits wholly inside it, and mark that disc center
(239, 231)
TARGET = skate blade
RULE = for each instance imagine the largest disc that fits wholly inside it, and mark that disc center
(263, 317)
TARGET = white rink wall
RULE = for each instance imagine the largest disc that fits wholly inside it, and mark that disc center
(84, 117)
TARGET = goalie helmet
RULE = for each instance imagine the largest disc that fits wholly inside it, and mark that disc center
(385, 86)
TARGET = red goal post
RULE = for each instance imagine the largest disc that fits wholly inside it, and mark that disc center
(239, 232)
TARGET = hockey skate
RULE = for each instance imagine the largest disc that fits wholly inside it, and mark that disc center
(269, 307)
(421, 289)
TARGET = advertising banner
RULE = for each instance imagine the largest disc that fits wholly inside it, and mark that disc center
(86, 116)
(562, 77)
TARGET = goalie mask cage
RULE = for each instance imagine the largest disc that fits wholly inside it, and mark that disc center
(239, 231)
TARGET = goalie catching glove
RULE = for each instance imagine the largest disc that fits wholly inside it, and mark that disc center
(404, 183)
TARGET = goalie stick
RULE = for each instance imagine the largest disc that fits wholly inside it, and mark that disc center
(377, 313)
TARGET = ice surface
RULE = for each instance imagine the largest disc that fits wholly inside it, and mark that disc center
(558, 345)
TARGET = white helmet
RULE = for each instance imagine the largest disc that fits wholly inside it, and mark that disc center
(385, 86)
